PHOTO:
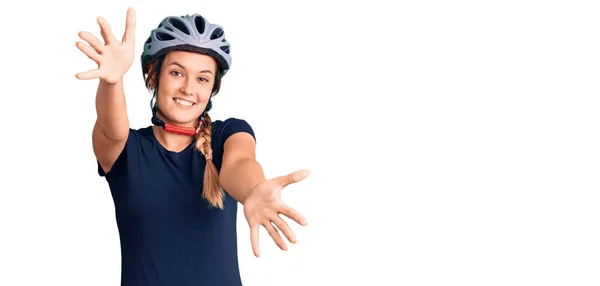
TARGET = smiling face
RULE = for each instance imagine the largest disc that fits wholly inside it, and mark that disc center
(185, 85)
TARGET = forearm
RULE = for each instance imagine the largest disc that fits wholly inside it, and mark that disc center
(239, 179)
(111, 110)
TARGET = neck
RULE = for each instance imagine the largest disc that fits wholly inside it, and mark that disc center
(170, 140)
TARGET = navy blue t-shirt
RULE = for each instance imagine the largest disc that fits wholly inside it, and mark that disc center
(169, 234)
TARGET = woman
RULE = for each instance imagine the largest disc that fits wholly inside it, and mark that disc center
(176, 183)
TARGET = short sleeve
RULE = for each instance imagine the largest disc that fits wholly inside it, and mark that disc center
(121, 160)
(235, 125)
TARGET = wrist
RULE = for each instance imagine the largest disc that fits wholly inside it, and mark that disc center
(111, 83)
(250, 192)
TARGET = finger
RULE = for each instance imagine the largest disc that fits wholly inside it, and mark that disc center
(106, 31)
(130, 24)
(88, 51)
(292, 178)
(275, 235)
(285, 228)
(88, 75)
(254, 240)
(293, 214)
(93, 41)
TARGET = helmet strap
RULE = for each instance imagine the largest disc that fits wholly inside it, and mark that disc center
(172, 128)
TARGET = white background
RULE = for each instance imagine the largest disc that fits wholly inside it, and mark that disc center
(450, 142)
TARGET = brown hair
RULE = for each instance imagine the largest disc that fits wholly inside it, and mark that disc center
(212, 190)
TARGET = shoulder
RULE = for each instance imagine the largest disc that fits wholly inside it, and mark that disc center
(145, 131)
(230, 122)
(140, 137)
(223, 129)
(140, 133)
(136, 140)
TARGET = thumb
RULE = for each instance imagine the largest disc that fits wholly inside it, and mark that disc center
(291, 178)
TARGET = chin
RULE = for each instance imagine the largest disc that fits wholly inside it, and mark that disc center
(182, 117)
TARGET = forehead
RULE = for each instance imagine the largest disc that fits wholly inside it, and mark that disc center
(192, 61)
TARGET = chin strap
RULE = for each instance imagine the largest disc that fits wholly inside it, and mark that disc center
(182, 130)
(172, 128)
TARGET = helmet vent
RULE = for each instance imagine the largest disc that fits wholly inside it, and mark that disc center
(218, 32)
(199, 21)
(225, 49)
(164, 36)
(179, 25)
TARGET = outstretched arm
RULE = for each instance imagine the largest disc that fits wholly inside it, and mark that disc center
(113, 58)
(243, 178)
(240, 172)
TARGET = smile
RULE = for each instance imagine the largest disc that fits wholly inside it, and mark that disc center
(184, 102)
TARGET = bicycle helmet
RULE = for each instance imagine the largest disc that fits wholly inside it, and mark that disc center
(188, 33)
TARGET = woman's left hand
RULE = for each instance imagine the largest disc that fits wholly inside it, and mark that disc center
(263, 206)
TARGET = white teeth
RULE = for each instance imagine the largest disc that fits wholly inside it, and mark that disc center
(184, 102)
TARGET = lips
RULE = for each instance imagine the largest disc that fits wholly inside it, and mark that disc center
(183, 102)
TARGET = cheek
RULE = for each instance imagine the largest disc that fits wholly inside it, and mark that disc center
(167, 89)
(204, 92)
(168, 85)
(162, 94)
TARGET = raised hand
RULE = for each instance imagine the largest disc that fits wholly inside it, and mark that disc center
(263, 206)
(114, 58)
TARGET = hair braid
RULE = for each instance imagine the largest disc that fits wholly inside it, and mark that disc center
(212, 189)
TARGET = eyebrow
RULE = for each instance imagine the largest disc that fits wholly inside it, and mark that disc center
(181, 66)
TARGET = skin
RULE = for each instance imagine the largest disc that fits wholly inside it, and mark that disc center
(184, 76)
(191, 79)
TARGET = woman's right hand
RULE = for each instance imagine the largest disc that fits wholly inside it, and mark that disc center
(114, 58)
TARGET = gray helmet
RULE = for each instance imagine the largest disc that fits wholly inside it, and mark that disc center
(188, 33)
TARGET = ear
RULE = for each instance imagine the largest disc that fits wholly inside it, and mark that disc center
(151, 83)
(151, 74)
(152, 80)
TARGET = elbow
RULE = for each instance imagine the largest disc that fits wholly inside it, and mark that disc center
(227, 174)
(116, 133)
(224, 178)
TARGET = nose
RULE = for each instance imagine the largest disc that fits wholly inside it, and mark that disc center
(186, 87)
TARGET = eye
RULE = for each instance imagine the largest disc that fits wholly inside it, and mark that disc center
(203, 79)
(175, 73)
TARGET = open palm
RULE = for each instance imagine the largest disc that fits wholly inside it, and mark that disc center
(113, 57)
(264, 205)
